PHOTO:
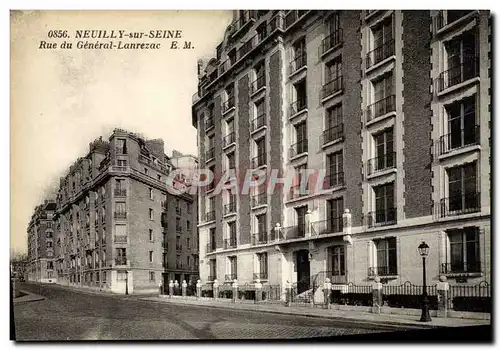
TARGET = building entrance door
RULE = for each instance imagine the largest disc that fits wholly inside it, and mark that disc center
(303, 271)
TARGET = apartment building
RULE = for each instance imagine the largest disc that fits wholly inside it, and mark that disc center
(40, 264)
(116, 226)
(393, 105)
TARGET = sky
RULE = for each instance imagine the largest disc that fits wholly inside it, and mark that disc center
(63, 99)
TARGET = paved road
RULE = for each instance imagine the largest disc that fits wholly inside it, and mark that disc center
(69, 315)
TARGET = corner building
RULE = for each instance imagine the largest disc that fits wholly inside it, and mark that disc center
(116, 226)
(394, 105)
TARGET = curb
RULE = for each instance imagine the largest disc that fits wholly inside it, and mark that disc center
(389, 324)
(30, 297)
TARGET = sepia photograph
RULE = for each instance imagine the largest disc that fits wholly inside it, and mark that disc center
(251, 175)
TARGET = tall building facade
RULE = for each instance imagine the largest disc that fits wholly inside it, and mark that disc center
(40, 264)
(116, 225)
(394, 106)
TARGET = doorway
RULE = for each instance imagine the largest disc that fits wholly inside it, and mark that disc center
(303, 271)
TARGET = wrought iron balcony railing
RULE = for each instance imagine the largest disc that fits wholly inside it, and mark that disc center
(461, 204)
(259, 237)
(210, 154)
(332, 40)
(382, 217)
(259, 160)
(229, 139)
(298, 62)
(297, 107)
(383, 271)
(227, 105)
(467, 70)
(451, 16)
(120, 192)
(298, 148)
(332, 134)
(461, 267)
(382, 162)
(258, 84)
(331, 87)
(299, 190)
(380, 53)
(230, 243)
(331, 225)
(258, 122)
(259, 199)
(293, 232)
(229, 208)
(333, 180)
(210, 215)
(210, 247)
(381, 107)
(457, 140)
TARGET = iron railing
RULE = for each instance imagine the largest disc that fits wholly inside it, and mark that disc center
(332, 134)
(381, 107)
(210, 215)
(120, 192)
(382, 162)
(229, 139)
(259, 160)
(258, 122)
(260, 238)
(380, 53)
(210, 154)
(331, 225)
(461, 204)
(382, 217)
(331, 87)
(333, 180)
(390, 270)
(210, 247)
(259, 199)
(298, 62)
(293, 232)
(227, 105)
(297, 190)
(209, 122)
(452, 16)
(297, 107)
(260, 275)
(334, 39)
(230, 208)
(467, 70)
(298, 148)
(120, 215)
(230, 243)
(258, 84)
(457, 140)
(460, 267)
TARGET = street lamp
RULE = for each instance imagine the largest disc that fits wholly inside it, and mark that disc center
(423, 249)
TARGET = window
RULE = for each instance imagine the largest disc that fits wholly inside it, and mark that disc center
(334, 169)
(231, 163)
(301, 220)
(260, 148)
(300, 95)
(385, 211)
(151, 235)
(261, 32)
(461, 51)
(178, 224)
(150, 256)
(121, 146)
(104, 276)
(463, 251)
(213, 269)
(382, 88)
(121, 275)
(151, 196)
(151, 214)
(301, 137)
(334, 211)
(386, 257)
(121, 256)
(231, 229)
(262, 227)
(189, 261)
(103, 214)
(383, 43)
(188, 225)
(189, 208)
(299, 55)
(333, 77)
(260, 115)
(333, 118)
(233, 268)
(212, 239)
(230, 97)
(462, 189)
(260, 75)
(337, 265)
(188, 243)
(462, 130)
(385, 155)
(262, 262)
(122, 163)
(178, 244)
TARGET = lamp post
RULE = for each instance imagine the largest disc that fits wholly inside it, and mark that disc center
(423, 249)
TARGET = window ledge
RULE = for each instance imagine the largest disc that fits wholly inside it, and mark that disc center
(258, 91)
(380, 118)
(384, 277)
(458, 151)
(379, 64)
(229, 214)
(229, 146)
(258, 206)
(462, 274)
(332, 49)
(226, 112)
(296, 115)
(332, 95)
(380, 173)
(297, 71)
(457, 22)
(299, 156)
(333, 142)
(260, 128)
(459, 86)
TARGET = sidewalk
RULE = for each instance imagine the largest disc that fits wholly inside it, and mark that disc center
(356, 316)
(29, 297)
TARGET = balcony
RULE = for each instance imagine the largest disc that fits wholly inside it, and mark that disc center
(381, 108)
(230, 243)
(332, 134)
(210, 154)
(469, 69)
(248, 17)
(293, 232)
(258, 84)
(121, 260)
(380, 163)
(228, 139)
(461, 267)
(333, 180)
(120, 215)
(296, 191)
(451, 17)
(382, 217)
(380, 53)
(382, 271)
(120, 192)
(457, 140)
(332, 225)
(332, 87)
(259, 161)
(260, 276)
(258, 123)
(209, 123)
(298, 63)
(226, 106)
(120, 239)
(230, 277)
(259, 199)
(210, 215)
(211, 278)
(333, 40)
(277, 22)
(298, 148)
(297, 107)
(210, 247)
(229, 208)
(461, 204)
(259, 238)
